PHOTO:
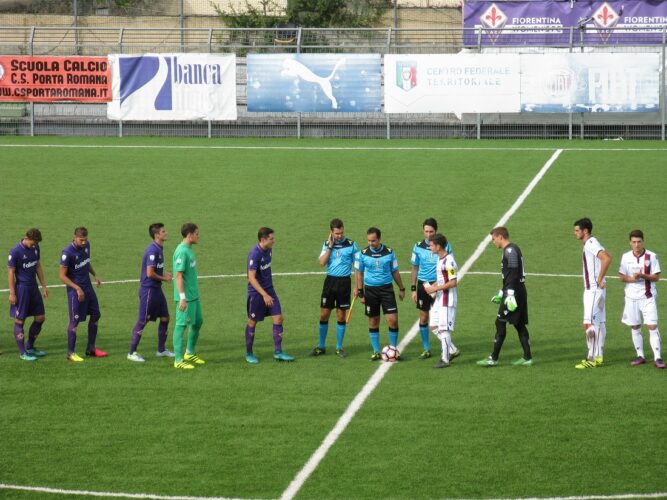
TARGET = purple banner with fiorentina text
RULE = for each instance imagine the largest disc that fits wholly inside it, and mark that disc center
(553, 22)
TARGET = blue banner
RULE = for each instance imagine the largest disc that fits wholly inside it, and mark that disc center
(314, 83)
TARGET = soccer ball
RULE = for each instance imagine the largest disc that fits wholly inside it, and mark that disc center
(389, 354)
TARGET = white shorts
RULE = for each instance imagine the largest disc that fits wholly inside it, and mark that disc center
(594, 306)
(636, 309)
(442, 317)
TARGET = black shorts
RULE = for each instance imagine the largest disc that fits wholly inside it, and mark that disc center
(336, 293)
(377, 296)
(519, 317)
(424, 300)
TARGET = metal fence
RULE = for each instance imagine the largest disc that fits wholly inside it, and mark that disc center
(90, 119)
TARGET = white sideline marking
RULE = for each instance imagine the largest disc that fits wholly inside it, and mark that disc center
(320, 148)
(88, 493)
(344, 420)
(322, 273)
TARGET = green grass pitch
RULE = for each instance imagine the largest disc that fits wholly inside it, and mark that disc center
(234, 430)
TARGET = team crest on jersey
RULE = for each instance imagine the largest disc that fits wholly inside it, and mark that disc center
(179, 261)
(152, 257)
(64, 257)
(250, 263)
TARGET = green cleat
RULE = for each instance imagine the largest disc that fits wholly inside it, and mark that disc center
(252, 359)
(318, 351)
(523, 362)
(340, 353)
(425, 355)
(375, 356)
(282, 356)
(36, 352)
(28, 357)
(488, 362)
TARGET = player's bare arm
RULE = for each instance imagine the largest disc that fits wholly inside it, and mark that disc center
(605, 261)
(180, 286)
(12, 291)
(40, 275)
(62, 275)
(413, 282)
(399, 282)
(252, 279)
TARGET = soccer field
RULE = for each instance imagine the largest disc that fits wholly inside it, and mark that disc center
(407, 431)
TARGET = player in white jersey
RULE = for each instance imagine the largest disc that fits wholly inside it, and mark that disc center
(443, 312)
(596, 261)
(640, 270)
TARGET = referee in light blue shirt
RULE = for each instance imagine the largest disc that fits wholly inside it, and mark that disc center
(375, 269)
(423, 272)
(338, 254)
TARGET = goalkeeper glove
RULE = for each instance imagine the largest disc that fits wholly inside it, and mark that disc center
(497, 299)
(510, 301)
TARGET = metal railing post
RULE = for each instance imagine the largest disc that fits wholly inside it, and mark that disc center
(31, 42)
(120, 40)
(388, 127)
(298, 40)
(662, 84)
(569, 117)
(182, 28)
(210, 40)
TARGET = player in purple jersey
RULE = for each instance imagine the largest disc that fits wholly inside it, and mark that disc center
(75, 271)
(23, 267)
(152, 302)
(262, 299)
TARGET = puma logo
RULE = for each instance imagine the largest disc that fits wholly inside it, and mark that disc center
(292, 67)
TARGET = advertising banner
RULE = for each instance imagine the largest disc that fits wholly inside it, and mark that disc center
(49, 79)
(173, 87)
(548, 22)
(615, 82)
(314, 82)
(461, 83)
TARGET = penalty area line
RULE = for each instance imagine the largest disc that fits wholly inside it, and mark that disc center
(345, 419)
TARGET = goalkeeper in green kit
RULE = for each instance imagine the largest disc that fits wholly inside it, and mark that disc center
(512, 300)
(186, 295)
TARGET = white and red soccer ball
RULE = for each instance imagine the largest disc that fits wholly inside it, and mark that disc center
(389, 353)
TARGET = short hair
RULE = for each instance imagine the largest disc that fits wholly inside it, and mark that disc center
(375, 231)
(439, 239)
(188, 228)
(500, 231)
(584, 223)
(80, 231)
(637, 233)
(430, 222)
(34, 234)
(154, 229)
(336, 224)
(264, 232)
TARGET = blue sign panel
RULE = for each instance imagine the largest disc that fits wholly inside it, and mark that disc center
(314, 83)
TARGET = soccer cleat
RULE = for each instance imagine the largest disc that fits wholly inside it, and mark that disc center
(193, 359)
(135, 357)
(376, 356)
(96, 353)
(585, 363)
(441, 364)
(318, 351)
(36, 352)
(74, 358)
(488, 362)
(183, 365)
(252, 359)
(341, 353)
(454, 354)
(637, 361)
(599, 361)
(523, 362)
(164, 354)
(425, 355)
(282, 356)
(28, 357)
(659, 363)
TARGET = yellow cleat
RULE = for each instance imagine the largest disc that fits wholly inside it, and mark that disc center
(585, 363)
(74, 358)
(183, 365)
(193, 359)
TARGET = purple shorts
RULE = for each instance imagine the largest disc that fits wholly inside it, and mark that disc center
(28, 302)
(152, 304)
(78, 311)
(257, 309)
